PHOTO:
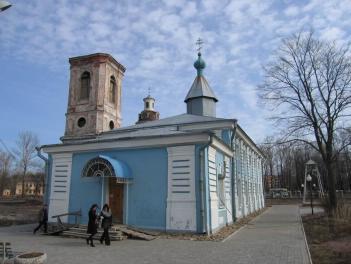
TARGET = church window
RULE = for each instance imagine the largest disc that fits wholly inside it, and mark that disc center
(112, 125)
(98, 167)
(112, 90)
(84, 86)
(81, 122)
(147, 104)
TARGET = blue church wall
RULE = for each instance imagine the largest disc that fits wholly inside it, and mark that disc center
(146, 195)
(226, 136)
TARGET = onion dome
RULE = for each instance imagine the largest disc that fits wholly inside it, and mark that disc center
(199, 64)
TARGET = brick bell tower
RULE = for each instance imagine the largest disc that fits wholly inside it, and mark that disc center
(94, 100)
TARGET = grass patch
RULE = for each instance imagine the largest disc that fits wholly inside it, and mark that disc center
(329, 239)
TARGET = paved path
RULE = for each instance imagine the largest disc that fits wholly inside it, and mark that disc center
(276, 236)
(273, 237)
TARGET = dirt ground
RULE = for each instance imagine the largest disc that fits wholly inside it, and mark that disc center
(218, 236)
(329, 239)
(19, 213)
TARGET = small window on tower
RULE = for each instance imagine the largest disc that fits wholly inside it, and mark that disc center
(147, 104)
(112, 91)
(112, 125)
(84, 86)
(81, 122)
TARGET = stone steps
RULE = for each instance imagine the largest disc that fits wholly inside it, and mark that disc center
(81, 232)
(117, 232)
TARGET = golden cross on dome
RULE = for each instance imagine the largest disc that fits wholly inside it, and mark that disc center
(199, 43)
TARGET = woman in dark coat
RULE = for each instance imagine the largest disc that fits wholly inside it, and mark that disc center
(106, 224)
(92, 224)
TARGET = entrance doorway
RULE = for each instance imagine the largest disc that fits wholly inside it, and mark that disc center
(116, 200)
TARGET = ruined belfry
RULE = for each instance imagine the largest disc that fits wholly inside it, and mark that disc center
(94, 100)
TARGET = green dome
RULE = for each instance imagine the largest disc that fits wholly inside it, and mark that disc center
(199, 64)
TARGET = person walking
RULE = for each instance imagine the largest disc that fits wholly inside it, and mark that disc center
(92, 224)
(42, 219)
(106, 224)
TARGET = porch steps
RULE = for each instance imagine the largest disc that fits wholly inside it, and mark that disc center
(81, 232)
(117, 233)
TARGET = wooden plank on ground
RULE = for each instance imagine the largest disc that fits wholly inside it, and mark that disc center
(136, 234)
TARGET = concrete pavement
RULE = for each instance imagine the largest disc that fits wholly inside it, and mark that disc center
(274, 237)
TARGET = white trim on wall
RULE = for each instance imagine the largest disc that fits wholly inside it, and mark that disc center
(60, 185)
(222, 147)
(181, 199)
(212, 178)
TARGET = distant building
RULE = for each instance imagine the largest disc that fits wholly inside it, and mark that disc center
(31, 186)
(271, 181)
(6, 192)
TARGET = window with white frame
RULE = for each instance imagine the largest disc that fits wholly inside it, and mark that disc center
(98, 167)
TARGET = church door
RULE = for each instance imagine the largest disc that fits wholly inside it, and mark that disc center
(116, 200)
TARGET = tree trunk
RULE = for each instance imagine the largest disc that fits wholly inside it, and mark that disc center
(331, 187)
(23, 176)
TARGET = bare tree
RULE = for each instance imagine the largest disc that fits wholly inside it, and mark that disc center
(5, 167)
(308, 84)
(25, 152)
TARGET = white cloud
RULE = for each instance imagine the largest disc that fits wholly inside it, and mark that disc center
(332, 33)
(291, 11)
(155, 41)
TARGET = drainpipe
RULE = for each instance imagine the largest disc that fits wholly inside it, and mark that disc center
(205, 224)
(233, 176)
(45, 198)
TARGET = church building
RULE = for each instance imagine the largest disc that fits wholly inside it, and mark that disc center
(192, 172)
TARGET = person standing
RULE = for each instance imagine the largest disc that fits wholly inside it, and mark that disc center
(106, 224)
(42, 219)
(92, 224)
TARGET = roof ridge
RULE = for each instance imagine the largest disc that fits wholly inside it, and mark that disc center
(169, 121)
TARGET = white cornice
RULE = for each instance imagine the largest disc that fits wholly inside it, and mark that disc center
(241, 133)
(128, 143)
(219, 145)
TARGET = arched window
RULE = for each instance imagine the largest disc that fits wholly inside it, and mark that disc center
(84, 86)
(98, 167)
(112, 90)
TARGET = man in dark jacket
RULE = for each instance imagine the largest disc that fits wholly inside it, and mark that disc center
(42, 219)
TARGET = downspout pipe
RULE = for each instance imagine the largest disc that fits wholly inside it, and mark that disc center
(203, 189)
(45, 159)
(233, 174)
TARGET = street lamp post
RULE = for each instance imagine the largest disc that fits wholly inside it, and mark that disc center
(302, 186)
(309, 180)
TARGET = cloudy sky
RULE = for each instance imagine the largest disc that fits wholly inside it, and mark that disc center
(155, 41)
